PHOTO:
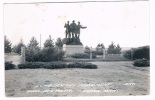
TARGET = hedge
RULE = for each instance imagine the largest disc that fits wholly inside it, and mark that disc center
(9, 65)
(141, 62)
(56, 65)
(138, 53)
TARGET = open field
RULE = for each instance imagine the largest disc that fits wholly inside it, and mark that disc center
(111, 78)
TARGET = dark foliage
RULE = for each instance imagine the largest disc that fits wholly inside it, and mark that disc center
(112, 49)
(7, 45)
(56, 65)
(99, 49)
(82, 65)
(51, 54)
(17, 48)
(138, 53)
(9, 65)
(141, 62)
(142, 52)
(47, 54)
(59, 43)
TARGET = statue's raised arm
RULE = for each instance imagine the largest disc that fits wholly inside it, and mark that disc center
(78, 29)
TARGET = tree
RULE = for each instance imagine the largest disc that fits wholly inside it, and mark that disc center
(50, 53)
(111, 48)
(49, 42)
(102, 46)
(142, 53)
(17, 48)
(32, 50)
(87, 49)
(59, 43)
(138, 53)
(7, 45)
(118, 49)
(99, 49)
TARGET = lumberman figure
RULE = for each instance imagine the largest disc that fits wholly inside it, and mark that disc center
(78, 29)
(73, 27)
(67, 30)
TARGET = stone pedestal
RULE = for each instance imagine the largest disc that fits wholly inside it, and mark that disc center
(72, 49)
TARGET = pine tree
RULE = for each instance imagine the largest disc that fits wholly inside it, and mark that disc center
(7, 45)
(49, 42)
(17, 48)
(111, 48)
(118, 49)
(59, 43)
(32, 50)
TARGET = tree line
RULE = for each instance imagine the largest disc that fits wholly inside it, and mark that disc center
(112, 49)
(50, 52)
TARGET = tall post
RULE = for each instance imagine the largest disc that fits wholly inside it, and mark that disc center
(90, 53)
(23, 54)
(103, 54)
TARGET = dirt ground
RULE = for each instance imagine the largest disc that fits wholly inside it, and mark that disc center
(110, 79)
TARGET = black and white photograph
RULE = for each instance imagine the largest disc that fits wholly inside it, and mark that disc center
(77, 49)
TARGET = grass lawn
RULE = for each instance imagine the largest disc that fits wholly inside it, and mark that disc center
(111, 78)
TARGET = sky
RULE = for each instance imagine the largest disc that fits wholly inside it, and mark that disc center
(124, 23)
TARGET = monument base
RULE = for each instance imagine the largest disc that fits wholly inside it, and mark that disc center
(72, 49)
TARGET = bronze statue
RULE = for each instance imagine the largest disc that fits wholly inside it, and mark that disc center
(78, 29)
(73, 30)
(67, 30)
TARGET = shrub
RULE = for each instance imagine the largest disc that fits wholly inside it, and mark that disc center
(51, 54)
(141, 62)
(55, 65)
(138, 53)
(142, 52)
(30, 65)
(9, 65)
(83, 55)
(82, 65)
(32, 55)
(127, 54)
(45, 55)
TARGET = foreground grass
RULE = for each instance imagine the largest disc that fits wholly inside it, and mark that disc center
(114, 78)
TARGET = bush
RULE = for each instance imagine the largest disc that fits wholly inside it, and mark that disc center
(127, 54)
(142, 52)
(51, 54)
(141, 62)
(31, 65)
(45, 55)
(9, 65)
(56, 65)
(138, 53)
(82, 65)
(83, 55)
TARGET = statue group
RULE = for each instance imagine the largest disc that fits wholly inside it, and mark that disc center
(73, 30)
